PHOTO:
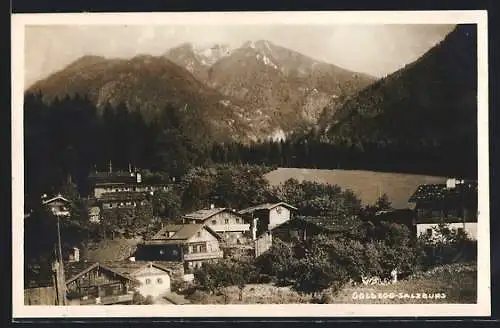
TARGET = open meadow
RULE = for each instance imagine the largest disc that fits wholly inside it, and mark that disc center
(367, 185)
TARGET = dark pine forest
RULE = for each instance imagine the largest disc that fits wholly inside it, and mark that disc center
(69, 138)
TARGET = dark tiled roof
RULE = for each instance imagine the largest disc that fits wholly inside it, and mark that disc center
(266, 206)
(328, 223)
(202, 215)
(439, 192)
(325, 223)
(71, 269)
(182, 231)
(132, 184)
(389, 213)
(129, 267)
(110, 174)
(123, 268)
(58, 197)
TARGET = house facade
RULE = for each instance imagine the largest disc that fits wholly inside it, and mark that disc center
(101, 189)
(453, 204)
(226, 222)
(115, 282)
(265, 217)
(88, 283)
(153, 279)
(102, 183)
(191, 244)
(58, 205)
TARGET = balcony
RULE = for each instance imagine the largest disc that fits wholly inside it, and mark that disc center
(203, 256)
(229, 227)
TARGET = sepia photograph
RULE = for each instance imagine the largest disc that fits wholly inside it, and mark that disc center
(250, 164)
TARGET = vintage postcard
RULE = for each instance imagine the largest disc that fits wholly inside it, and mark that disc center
(277, 164)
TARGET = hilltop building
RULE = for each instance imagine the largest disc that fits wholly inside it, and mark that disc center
(110, 191)
(58, 205)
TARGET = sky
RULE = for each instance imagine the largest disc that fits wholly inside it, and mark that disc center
(377, 50)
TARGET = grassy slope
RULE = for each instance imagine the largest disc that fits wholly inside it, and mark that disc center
(366, 184)
(110, 250)
(457, 281)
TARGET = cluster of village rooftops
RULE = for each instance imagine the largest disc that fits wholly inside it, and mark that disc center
(176, 250)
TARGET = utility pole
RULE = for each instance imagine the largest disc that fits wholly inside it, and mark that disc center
(60, 279)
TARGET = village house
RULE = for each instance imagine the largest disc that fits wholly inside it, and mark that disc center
(265, 217)
(305, 228)
(230, 225)
(113, 282)
(94, 212)
(191, 244)
(453, 204)
(155, 279)
(110, 191)
(95, 283)
(405, 217)
(58, 205)
(102, 183)
(302, 228)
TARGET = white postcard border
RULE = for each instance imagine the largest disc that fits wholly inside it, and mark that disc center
(20, 21)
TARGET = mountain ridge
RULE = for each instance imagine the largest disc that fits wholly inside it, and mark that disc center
(240, 91)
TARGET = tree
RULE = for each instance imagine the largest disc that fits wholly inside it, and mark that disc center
(316, 272)
(279, 261)
(167, 203)
(383, 203)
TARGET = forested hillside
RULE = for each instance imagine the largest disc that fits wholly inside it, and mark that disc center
(428, 107)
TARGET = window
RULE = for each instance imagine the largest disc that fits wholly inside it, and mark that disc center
(214, 222)
(198, 234)
(429, 231)
(460, 230)
(148, 281)
(237, 220)
(159, 281)
(226, 221)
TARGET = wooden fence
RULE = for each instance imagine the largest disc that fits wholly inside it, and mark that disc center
(40, 296)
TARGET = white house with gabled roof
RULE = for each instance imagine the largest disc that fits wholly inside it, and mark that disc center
(265, 217)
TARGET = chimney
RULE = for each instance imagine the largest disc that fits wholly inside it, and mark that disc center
(76, 254)
(129, 168)
(254, 228)
(212, 206)
(110, 167)
(451, 183)
(139, 177)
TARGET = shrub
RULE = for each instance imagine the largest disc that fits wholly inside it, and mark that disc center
(445, 246)
(279, 261)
